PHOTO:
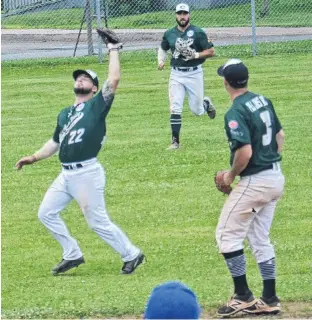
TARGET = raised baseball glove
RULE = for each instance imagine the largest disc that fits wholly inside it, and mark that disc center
(219, 182)
(108, 36)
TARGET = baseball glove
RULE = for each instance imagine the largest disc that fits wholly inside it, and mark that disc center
(188, 54)
(108, 36)
(219, 182)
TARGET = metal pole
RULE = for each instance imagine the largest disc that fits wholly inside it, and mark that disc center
(253, 27)
(99, 25)
(105, 14)
(81, 24)
(89, 27)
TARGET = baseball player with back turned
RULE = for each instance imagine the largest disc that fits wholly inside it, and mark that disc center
(79, 135)
(190, 48)
(256, 139)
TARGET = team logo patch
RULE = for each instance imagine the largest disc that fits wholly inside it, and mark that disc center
(190, 33)
(233, 124)
(80, 107)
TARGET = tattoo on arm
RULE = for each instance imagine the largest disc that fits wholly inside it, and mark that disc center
(107, 90)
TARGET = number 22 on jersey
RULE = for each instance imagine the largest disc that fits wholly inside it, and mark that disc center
(75, 136)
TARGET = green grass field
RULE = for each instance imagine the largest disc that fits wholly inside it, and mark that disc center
(165, 201)
(286, 13)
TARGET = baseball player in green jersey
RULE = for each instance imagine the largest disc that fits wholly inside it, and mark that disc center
(190, 48)
(256, 139)
(79, 135)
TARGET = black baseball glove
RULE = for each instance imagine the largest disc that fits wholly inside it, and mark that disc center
(110, 38)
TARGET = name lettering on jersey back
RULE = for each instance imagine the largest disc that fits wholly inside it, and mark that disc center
(256, 103)
(72, 122)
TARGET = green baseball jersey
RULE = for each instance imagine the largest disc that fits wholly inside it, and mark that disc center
(252, 120)
(193, 38)
(81, 129)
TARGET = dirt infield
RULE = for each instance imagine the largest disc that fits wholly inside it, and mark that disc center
(290, 310)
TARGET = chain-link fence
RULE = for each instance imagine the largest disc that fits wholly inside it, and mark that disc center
(66, 27)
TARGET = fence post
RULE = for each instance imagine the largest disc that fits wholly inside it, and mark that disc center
(253, 27)
(89, 27)
(105, 14)
(99, 25)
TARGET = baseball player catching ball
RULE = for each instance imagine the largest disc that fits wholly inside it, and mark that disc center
(79, 135)
(190, 48)
(256, 139)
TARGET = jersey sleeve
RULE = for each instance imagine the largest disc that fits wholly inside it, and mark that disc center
(237, 130)
(164, 43)
(204, 42)
(56, 135)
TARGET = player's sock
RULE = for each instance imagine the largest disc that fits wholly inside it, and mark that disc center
(175, 121)
(267, 270)
(236, 263)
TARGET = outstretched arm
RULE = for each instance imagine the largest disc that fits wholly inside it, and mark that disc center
(47, 150)
(112, 81)
(113, 43)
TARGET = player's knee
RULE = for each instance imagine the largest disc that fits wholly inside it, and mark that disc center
(43, 213)
(96, 222)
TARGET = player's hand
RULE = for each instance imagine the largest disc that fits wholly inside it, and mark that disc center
(228, 178)
(161, 66)
(25, 160)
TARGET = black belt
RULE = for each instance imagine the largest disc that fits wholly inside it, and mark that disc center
(185, 69)
(268, 167)
(72, 167)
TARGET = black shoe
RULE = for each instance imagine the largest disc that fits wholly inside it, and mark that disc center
(210, 108)
(66, 265)
(130, 266)
(237, 303)
(265, 306)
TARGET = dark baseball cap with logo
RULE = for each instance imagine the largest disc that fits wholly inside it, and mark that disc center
(89, 73)
(235, 73)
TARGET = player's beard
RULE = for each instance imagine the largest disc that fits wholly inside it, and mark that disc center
(184, 23)
(82, 91)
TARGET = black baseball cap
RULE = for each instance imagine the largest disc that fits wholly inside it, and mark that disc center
(235, 73)
(91, 74)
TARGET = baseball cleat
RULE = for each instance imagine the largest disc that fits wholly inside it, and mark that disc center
(173, 146)
(209, 108)
(129, 266)
(265, 306)
(237, 303)
(66, 265)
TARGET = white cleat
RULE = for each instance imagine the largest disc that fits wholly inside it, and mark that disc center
(173, 146)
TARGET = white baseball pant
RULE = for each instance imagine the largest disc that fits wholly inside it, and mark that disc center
(86, 186)
(190, 82)
(248, 213)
